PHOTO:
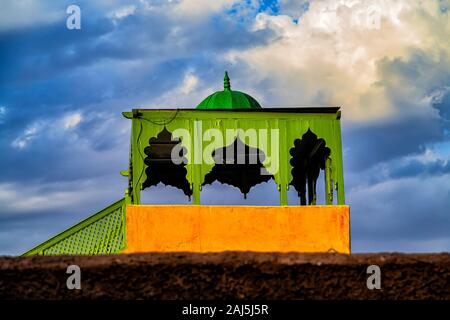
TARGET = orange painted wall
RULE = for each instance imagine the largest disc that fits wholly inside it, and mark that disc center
(171, 228)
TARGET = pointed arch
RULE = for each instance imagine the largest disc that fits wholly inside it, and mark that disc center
(160, 166)
(238, 165)
(309, 156)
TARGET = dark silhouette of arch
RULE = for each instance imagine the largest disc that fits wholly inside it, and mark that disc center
(239, 166)
(161, 168)
(308, 158)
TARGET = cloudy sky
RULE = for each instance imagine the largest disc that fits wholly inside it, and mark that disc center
(63, 140)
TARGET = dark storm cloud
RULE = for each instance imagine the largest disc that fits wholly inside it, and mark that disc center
(45, 160)
(424, 73)
(381, 142)
(403, 209)
(418, 168)
(407, 83)
(442, 103)
(21, 229)
(48, 71)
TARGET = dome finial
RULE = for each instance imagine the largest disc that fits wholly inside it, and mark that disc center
(228, 99)
(226, 82)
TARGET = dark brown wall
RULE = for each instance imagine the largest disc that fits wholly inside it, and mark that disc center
(228, 276)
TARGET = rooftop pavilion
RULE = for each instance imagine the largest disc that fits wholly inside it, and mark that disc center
(231, 139)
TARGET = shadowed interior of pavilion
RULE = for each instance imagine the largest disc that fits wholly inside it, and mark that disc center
(237, 165)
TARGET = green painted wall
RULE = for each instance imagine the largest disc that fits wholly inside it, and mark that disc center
(292, 124)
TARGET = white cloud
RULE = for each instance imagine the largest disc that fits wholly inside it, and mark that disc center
(29, 134)
(428, 156)
(186, 95)
(49, 128)
(3, 112)
(26, 13)
(427, 165)
(72, 120)
(192, 11)
(197, 8)
(189, 84)
(19, 143)
(334, 55)
(123, 12)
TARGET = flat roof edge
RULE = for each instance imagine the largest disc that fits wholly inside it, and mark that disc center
(281, 110)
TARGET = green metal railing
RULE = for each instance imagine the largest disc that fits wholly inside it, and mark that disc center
(101, 233)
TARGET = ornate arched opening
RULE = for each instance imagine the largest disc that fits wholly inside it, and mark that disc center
(309, 157)
(238, 165)
(160, 166)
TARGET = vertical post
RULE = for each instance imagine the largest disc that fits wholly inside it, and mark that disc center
(328, 182)
(339, 166)
(197, 149)
(129, 192)
(127, 197)
(137, 163)
(283, 194)
(283, 164)
(196, 188)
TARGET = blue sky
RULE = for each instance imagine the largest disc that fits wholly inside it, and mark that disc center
(63, 140)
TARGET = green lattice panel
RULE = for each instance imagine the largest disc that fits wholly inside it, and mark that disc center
(102, 233)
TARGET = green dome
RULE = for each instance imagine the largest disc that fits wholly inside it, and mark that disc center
(229, 99)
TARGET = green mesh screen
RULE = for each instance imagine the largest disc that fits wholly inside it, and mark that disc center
(101, 233)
